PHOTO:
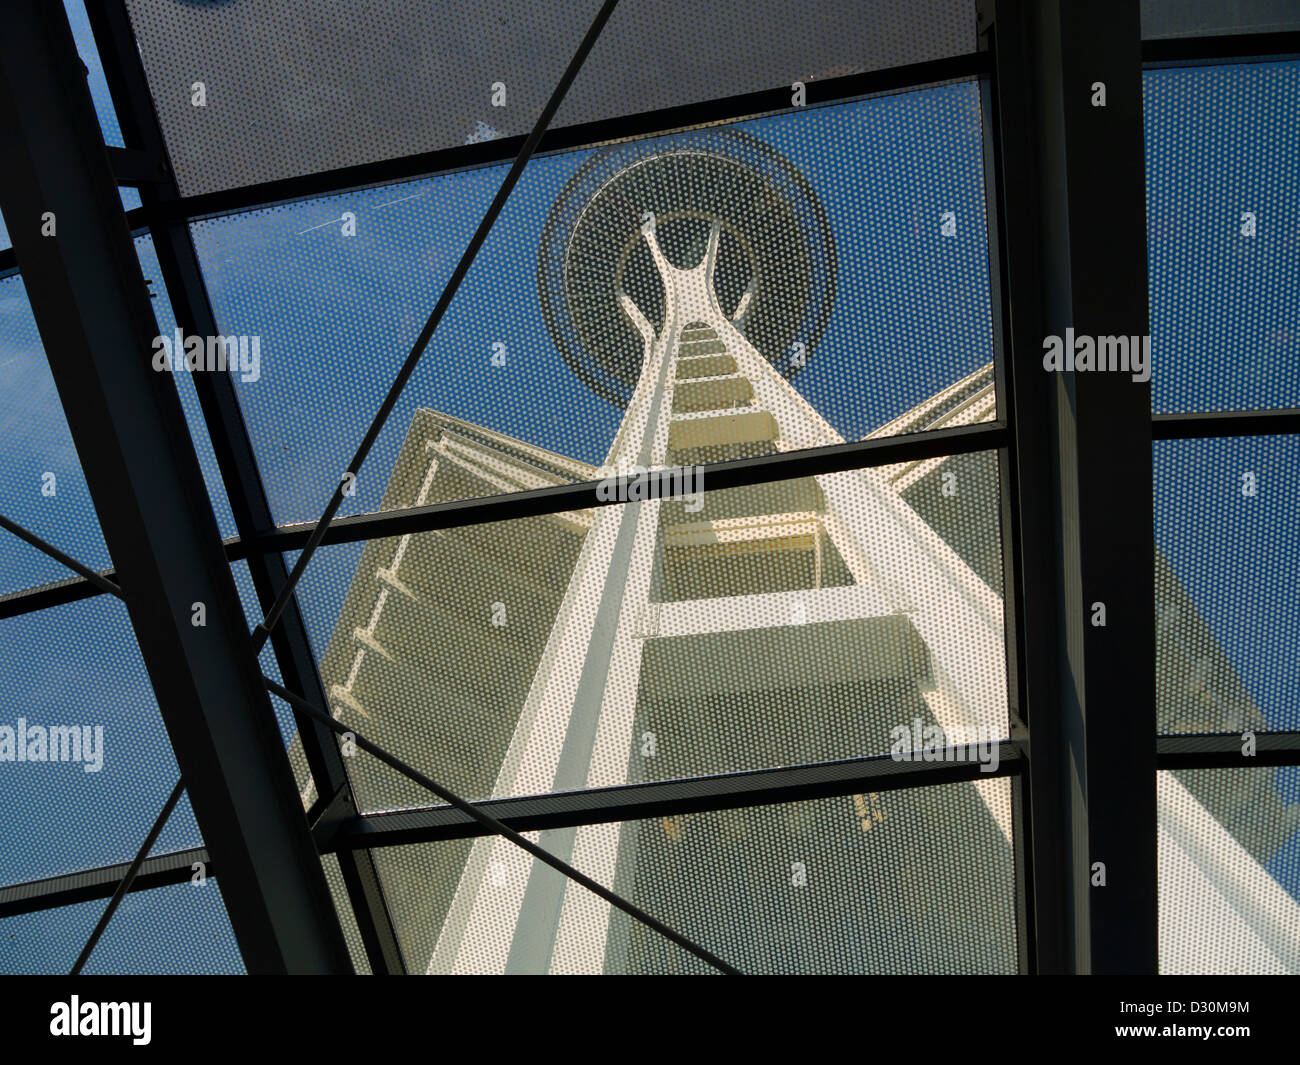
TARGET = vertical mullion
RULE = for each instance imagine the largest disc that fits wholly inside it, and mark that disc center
(1073, 224)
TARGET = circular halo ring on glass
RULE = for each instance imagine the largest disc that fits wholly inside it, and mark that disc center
(776, 266)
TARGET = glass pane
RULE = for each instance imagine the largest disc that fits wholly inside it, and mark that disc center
(800, 621)
(1227, 616)
(1223, 178)
(1229, 851)
(179, 930)
(850, 298)
(97, 764)
(912, 881)
(42, 487)
(293, 92)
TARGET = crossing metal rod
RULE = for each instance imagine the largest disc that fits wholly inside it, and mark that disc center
(99, 581)
(125, 884)
(263, 630)
(501, 829)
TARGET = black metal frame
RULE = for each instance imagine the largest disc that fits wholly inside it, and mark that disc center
(1053, 499)
(183, 279)
(96, 321)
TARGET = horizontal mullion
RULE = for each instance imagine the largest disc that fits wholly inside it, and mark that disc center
(56, 593)
(735, 473)
(630, 802)
(75, 589)
(569, 138)
(637, 801)
(1224, 751)
(1209, 424)
(1220, 48)
(836, 458)
(100, 883)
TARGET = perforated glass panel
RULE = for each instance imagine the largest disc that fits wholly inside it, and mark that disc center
(256, 91)
(1215, 18)
(180, 930)
(42, 487)
(801, 621)
(1229, 852)
(908, 881)
(1223, 178)
(849, 298)
(96, 764)
(1227, 614)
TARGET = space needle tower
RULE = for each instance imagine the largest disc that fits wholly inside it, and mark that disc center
(688, 280)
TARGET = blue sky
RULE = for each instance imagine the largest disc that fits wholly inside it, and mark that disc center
(337, 315)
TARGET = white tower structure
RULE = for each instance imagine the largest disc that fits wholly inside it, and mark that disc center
(653, 627)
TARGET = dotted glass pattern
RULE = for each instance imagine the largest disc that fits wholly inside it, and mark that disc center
(42, 486)
(1223, 179)
(335, 291)
(1227, 613)
(918, 880)
(79, 664)
(296, 91)
(1229, 870)
(177, 930)
(800, 621)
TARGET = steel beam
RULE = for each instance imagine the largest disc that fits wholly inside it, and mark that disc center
(1026, 467)
(1220, 48)
(1225, 751)
(860, 454)
(626, 802)
(97, 325)
(1073, 239)
(173, 868)
(192, 307)
(635, 801)
(9, 257)
(1279, 422)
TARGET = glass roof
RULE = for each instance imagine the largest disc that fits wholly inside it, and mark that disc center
(1223, 175)
(342, 85)
(308, 280)
(587, 656)
(78, 666)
